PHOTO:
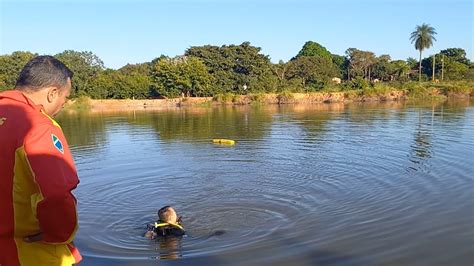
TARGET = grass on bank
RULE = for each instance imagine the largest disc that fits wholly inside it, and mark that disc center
(81, 103)
(352, 91)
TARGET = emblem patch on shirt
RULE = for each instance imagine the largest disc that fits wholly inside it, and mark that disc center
(2, 120)
(57, 143)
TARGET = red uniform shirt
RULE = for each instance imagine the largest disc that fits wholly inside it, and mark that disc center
(37, 175)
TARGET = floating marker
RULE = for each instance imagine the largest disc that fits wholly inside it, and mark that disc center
(223, 141)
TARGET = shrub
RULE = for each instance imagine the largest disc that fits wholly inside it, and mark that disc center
(285, 97)
(80, 103)
(224, 97)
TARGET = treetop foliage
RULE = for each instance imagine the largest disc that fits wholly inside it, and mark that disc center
(239, 69)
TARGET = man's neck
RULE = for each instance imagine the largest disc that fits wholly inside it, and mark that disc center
(36, 97)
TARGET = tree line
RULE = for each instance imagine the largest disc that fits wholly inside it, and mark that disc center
(240, 69)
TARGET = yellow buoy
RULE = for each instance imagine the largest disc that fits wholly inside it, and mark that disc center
(223, 141)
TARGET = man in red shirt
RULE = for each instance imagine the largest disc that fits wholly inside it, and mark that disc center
(38, 217)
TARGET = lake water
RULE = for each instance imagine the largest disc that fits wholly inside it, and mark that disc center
(330, 184)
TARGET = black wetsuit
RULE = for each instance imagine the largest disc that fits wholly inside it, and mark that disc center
(168, 230)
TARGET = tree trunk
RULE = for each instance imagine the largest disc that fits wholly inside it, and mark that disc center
(419, 69)
(442, 68)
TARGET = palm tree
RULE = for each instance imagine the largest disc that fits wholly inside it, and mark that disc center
(423, 37)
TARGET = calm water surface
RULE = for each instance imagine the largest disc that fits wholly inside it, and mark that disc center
(334, 184)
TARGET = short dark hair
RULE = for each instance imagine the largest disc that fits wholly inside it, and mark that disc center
(41, 72)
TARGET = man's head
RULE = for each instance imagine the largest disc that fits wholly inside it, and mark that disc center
(46, 81)
(167, 215)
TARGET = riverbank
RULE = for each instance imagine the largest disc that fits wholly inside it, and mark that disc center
(375, 94)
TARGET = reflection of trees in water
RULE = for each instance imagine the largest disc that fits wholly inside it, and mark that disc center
(83, 129)
(422, 144)
(314, 118)
(364, 113)
(368, 113)
(449, 111)
(444, 118)
(246, 122)
(207, 123)
(311, 118)
(454, 112)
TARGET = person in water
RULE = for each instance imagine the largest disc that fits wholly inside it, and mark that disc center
(168, 224)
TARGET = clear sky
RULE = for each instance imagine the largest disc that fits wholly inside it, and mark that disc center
(136, 31)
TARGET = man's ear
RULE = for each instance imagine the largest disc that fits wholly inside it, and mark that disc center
(52, 94)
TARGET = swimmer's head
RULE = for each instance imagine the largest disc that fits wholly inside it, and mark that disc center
(167, 215)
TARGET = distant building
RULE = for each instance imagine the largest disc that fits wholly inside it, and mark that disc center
(336, 80)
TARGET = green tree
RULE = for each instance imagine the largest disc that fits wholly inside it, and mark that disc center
(311, 48)
(423, 37)
(400, 69)
(280, 71)
(382, 68)
(129, 82)
(454, 70)
(195, 79)
(144, 68)
(455, 66)
(341, 63)
(313, 71)
(138, 79)
(412, 62)
(103, 84)
(85, 66)
(456, 54)
(360, 63)
(187, 75)
(233, 66)
(11, 66)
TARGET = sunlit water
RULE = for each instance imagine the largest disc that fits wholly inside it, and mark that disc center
(333, 184)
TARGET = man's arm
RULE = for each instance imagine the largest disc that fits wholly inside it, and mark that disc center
(55, 174)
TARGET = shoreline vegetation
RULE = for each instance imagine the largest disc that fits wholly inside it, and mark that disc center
(241, 74)
(377, 93)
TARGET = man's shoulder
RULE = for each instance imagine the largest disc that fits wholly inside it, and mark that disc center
(41, 121)
(42, 126)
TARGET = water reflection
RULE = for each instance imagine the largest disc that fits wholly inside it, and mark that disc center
(92, 128)
(243, 121)
(421, 147)
(169, 248)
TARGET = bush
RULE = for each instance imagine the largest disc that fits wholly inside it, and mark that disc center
(333, 88)
(352, 94)
(285, 97)
(460, 87)
(224, 97)
(378, 89)
(359, 83)
(257, 97)
(80, 103)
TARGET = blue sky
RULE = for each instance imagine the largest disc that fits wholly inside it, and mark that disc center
(122, 32)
